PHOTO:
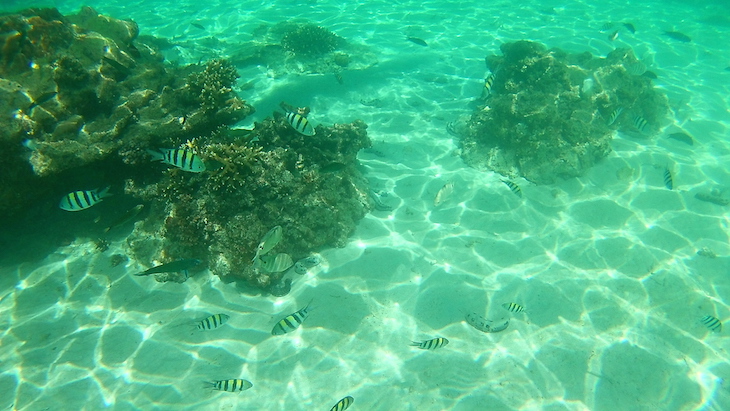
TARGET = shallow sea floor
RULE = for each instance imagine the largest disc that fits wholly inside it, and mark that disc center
(606, 265)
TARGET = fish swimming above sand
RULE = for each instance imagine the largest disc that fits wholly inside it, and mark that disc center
(516, 190)
(343, 404)
(513, 307)
(685, 138)
(444, 194)
(269, 241)
(712, 323)
(212, 322)
(82, 199)
(418, 41)
(432, 344)
(678, 36)
(668, 180)
(173, 267)
(232, 385)
(292, 321)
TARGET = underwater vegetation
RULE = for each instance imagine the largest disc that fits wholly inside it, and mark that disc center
(549, 114)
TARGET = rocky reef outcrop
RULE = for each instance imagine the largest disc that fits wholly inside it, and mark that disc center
(551, 114)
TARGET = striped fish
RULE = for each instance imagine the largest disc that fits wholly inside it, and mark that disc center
(82, 199)
(300, 123)
(614, 115)
(231, 385)
(343, 404)
(488, 83)
(712, 323)
(513, 307)
(273, 263)
(181, 158)
(514, 187)
(668, 180)
(291, 322)
(213, 322)
(431, 344)
(640, 123)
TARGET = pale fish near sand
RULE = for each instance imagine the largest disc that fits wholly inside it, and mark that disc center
(444, 194)
(484, 325)
(231, 385)
(82, 199)
(274, 264)
(269, 241)
(343, 404)
(432, 344)
(292, 321)
(173, 267)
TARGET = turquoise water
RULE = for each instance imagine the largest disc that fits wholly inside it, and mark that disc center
(606, 265)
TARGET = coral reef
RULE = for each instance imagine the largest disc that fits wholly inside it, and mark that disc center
(302, 47)
(548, 113)
(84, 90)
(273, 177)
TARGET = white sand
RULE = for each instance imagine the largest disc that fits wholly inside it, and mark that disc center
(605, 266)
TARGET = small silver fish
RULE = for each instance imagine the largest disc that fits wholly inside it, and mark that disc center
(614, 115)
(513, 307)
(443, 194)
(488, 83)
(300, 123)
(668, 180)
(291, 322)
(173, 267)
(607, 26)
(213, 322)
(274, 264)
(640, 123)
(269, 241)
(613, 36)
(181, 158)
(343, 404)
(712, 323)
(514, 188)
(431, 344)
(82, 199)
(232, 385)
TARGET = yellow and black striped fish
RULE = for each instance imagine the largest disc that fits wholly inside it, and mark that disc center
(181, 158)
(300, 123)
(291, 322)
(488, 83)
(640, 123)
(614, 115)
(712, 323)
(514, 187)
(343, 404)
(668, 180)
(431, 344)
(513, 307)
(231, 385)
(213, 322)
(82, 199)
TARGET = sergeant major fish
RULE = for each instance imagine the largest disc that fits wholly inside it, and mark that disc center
(488, 83)
(640, 123)
(516, 190)
(513, 307)
(712, 323)
(231, 385)
(614, 115)
(82, 199)
(212, 322)
(343, 404)
(299, 123)
(668, 180)
(181, 158)
(292, 321)
(431, 344)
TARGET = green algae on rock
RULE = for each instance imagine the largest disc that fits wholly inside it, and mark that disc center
(547, 116)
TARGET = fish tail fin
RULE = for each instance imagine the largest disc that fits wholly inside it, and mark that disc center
(156, 154)
(309, 306)
(104, 192)
(208, 384)
(415, 344)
